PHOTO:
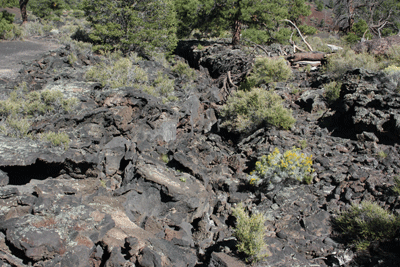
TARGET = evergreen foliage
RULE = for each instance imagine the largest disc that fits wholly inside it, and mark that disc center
(47, 8)
(258, 19)
(6, 20)
(130, 25)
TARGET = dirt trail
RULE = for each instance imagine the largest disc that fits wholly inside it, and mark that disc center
(13, 53)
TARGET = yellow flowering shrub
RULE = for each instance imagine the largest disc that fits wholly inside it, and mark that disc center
(278, 166)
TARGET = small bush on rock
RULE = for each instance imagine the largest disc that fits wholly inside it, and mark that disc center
(267, 70)
(57, 139)
(117, 71)
(247, 110)
(332, 91)
(21, 107)
(393, 54)
(250, 233)
(183, 70)
(276, 167)
(367, 222)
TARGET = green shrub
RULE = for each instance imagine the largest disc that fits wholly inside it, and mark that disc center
(332, 91)
(57, 139)
(33, 29)
(250, 233)
(17, 126)
(290, 165)
(6, 23)
(393, 54)
(47, 8)
(396, 186)
(9, 3)
(358, 30)
(117, 71)
(320, 5)
(318, 44)
(126, 25)
(21, 107)
(162, 87)
(307, 30)
(267, 70)
(183, 70)
(246, 110)
(367, 222)
(347, 59)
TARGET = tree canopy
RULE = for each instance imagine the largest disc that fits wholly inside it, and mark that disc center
(139, 25)
(381, 16)
(256, 19)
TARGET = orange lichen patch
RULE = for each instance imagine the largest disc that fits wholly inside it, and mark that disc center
(97, 216)
(84, 241)
(171, 234)
(80, 226)
(46, 223)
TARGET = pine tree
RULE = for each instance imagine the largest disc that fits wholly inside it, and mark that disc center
(140, 25)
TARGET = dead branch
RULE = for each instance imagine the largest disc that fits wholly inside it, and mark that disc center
(230, 80)
(301, 35)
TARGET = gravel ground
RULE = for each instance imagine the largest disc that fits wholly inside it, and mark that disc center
(13, 53)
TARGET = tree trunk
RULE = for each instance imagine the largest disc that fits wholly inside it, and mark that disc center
(350, 6)
(22, 6)
(236, 33)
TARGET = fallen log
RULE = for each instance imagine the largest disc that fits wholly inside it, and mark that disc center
(309, 56)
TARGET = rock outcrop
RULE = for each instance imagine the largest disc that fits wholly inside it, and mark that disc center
(146, 183)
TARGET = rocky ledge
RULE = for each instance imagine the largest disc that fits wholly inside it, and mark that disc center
(144, 183)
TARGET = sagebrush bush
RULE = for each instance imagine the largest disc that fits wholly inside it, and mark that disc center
(393, 73)
(292, 164)
(396, 186)
(57, 139)
(162, 87)
(365, 223)
(267, 70)
(332, 91)
(393, 54)
(248, 110)
(183, 70)
(18, 111)
(117, 71)
(249, 232)
(347, 59)
(318, 44)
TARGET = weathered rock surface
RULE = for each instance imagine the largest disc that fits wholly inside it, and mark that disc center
(150, 184)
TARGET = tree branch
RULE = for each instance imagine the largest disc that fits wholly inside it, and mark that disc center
(302, 37)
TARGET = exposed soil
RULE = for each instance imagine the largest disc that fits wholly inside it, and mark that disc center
(14, 53)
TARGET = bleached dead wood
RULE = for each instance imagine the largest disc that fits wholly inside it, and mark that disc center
(301, 35)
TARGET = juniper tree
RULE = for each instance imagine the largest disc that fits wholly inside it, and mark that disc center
(258, 20)
(380, 15)
(139, 25)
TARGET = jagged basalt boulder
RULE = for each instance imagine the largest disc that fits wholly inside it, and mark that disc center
(369, 102)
